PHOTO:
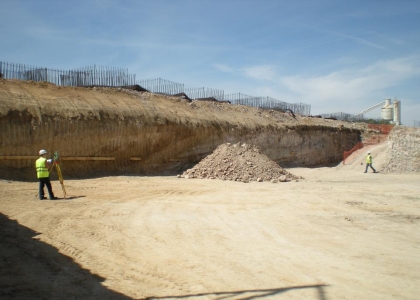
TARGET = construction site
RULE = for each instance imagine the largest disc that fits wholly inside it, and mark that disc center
(169, 197)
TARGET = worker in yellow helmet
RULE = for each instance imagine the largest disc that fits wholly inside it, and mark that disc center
(369, 163)
(43, 175)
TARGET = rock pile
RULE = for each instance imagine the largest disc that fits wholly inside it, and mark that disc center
(239, 162)
(403, 153)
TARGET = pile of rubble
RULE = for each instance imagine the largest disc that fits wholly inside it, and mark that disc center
(403, 152)
(239, 162)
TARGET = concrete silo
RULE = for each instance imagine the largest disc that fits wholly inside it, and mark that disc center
(397, 111)
(390, 111)
(387, 111)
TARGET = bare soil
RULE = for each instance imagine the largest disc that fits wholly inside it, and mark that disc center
(335, 234)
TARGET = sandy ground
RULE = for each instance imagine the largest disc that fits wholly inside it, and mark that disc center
(337, 234)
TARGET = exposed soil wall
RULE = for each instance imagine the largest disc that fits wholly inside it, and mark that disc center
(142, 133)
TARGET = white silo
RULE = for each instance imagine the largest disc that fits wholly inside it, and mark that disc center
(397, 111)
(387, 111)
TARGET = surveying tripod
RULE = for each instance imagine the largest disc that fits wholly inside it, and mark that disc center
(56, 163)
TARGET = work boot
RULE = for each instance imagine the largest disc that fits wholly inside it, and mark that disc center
(53, 198)
(42, 198)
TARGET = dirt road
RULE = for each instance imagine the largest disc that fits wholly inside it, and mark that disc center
(337, 234)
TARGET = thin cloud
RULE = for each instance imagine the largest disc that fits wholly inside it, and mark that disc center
(345, 90)
(352, 84)
(262, 72)
(351, 37)
(363, 41)
(223, 68)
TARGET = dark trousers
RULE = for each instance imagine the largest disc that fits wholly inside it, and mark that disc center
(369, 165)
(45, 182)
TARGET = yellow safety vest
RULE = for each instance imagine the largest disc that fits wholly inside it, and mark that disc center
(41, 168)
(369, 159)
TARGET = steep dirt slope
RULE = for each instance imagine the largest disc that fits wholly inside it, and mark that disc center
(357, 161)
(398, 153)
(104, 131)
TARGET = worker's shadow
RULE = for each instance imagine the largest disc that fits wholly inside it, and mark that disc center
(33, 269)
(71, 197)
(319, 289)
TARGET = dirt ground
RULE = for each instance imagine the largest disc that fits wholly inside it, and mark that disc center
(336, 234)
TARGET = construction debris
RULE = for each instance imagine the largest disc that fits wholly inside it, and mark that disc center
(239, 162)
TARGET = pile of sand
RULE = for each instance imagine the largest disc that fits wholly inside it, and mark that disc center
(239, 162)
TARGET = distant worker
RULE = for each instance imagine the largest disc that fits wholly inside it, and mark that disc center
(43, 175)
(369, 162)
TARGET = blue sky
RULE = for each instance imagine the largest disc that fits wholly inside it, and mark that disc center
(337, 56)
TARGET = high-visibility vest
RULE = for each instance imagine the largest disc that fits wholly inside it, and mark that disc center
(41, 168)
(369, 159)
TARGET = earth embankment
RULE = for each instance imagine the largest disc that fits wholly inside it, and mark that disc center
(104, 131)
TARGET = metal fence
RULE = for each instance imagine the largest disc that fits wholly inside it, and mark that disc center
(204, 93)
(161, 86)
(339, 116)
(87, 76)
(268, 103)
(109, 76)
(344, 117)
(98, 76)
